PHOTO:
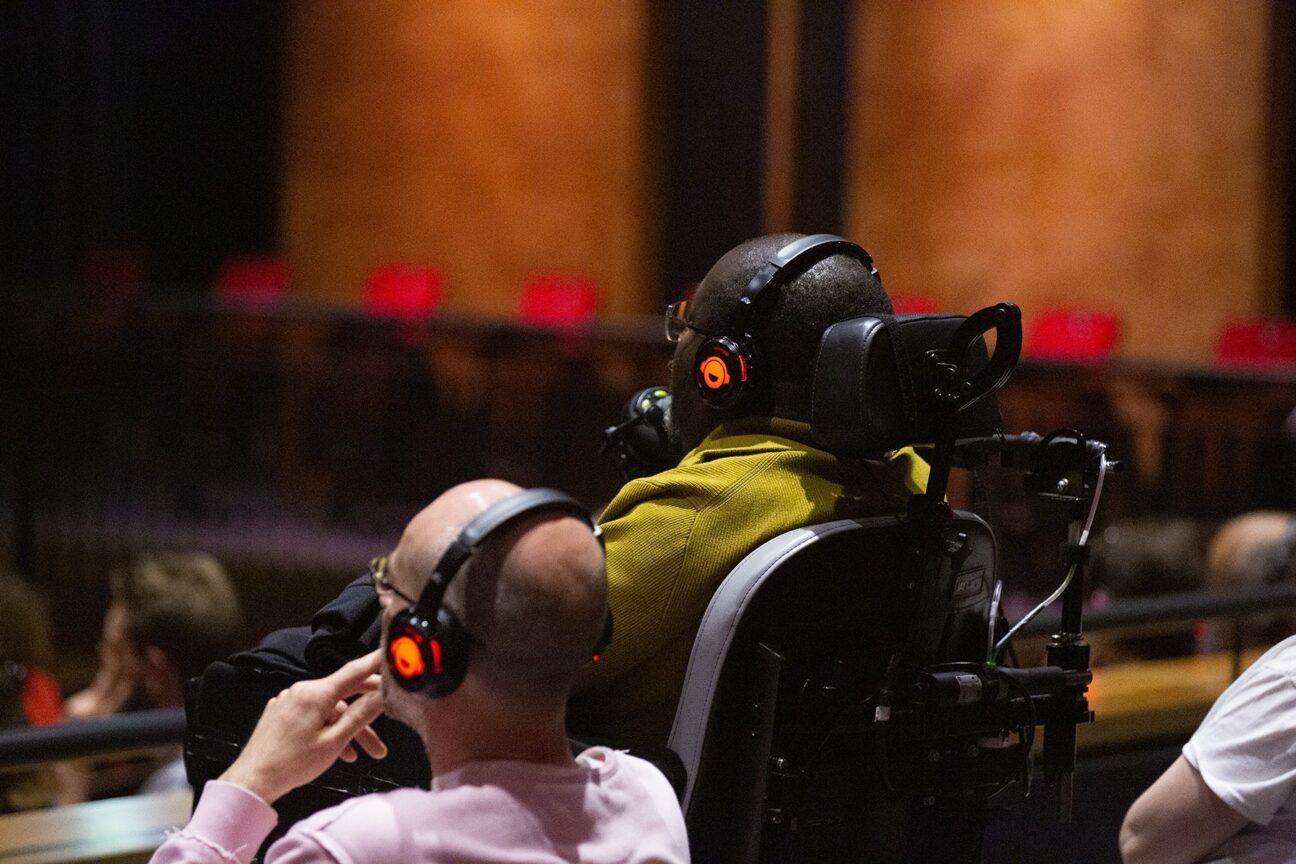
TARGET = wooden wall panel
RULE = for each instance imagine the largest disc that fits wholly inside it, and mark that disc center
(1088, 153)
(494, 140)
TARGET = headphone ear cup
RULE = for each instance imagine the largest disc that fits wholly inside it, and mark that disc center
(721, 369)
(408, 653)
(426, 659)
(455, 643)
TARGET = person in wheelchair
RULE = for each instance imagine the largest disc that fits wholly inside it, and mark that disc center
(491, 602)
(801, 615)
(746, 344)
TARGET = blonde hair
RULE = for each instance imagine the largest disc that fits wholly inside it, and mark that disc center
(181, 602)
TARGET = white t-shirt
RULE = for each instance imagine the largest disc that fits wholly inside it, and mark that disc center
(1245, 751)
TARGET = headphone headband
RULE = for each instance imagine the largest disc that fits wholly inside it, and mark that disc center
(805, 252)
(493, 518)
(724, 364)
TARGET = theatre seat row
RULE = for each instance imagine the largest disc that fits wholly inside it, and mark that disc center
(409, 290)
(1066, 334)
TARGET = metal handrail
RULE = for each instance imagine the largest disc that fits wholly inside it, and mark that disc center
(1164, 608)
(118, 733)
(136, 730)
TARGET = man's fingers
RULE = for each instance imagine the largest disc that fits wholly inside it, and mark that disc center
(358, 715)
(355, 676)
(369, 741)
(367, 664)
(365, 710)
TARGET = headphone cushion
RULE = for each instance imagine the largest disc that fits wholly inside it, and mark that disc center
(427, 659)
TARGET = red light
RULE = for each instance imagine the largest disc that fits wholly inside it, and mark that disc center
(714, 373)
(406, 657)
(596, 657)
(435, 645)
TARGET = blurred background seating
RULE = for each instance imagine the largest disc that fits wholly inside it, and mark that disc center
(1077, 335)
(1264, 343)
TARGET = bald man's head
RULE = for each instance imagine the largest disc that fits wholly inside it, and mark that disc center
(534, 593)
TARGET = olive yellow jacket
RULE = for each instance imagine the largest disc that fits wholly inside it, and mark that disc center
(673, 537)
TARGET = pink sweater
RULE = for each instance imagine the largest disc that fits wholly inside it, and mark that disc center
(608, 807)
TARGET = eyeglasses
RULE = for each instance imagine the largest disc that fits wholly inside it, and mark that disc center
(381, 581)
(677, 320)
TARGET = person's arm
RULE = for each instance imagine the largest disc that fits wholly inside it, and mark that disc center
(302, 731)
(1177, 820)
(227, 827)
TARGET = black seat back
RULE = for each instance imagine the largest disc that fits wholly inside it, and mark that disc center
(775, 721)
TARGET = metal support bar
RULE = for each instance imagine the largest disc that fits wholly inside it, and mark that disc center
(133, 730)
(1181, 606)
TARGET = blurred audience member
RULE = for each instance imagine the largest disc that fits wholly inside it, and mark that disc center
(28, 789)
(25, 641)
(1251, 551)
(1235, 782)
(28, 693)
(1139, 558)
(170, 615)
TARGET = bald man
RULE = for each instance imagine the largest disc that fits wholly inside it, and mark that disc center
(507, 788)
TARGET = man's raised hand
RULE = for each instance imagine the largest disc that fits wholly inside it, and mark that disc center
(308, 726)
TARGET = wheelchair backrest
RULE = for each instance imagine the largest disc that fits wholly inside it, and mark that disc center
(784, 672)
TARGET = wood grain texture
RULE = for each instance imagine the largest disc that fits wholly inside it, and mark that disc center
(1094, 154)
(496, 141)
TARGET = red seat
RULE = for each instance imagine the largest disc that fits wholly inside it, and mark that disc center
(252, 279)
(1071, 334)
(562, 301)
(410, 291)
(1257, 342)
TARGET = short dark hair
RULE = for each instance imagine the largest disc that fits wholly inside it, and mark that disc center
(1150, 555)
(182, 602)
(831, 290)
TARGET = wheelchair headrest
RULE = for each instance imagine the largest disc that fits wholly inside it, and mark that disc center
(873, 385)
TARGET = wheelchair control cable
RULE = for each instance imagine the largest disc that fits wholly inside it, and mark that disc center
(1071, 571)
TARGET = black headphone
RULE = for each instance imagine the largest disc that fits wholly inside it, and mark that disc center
(727, 367)
(427, 646)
